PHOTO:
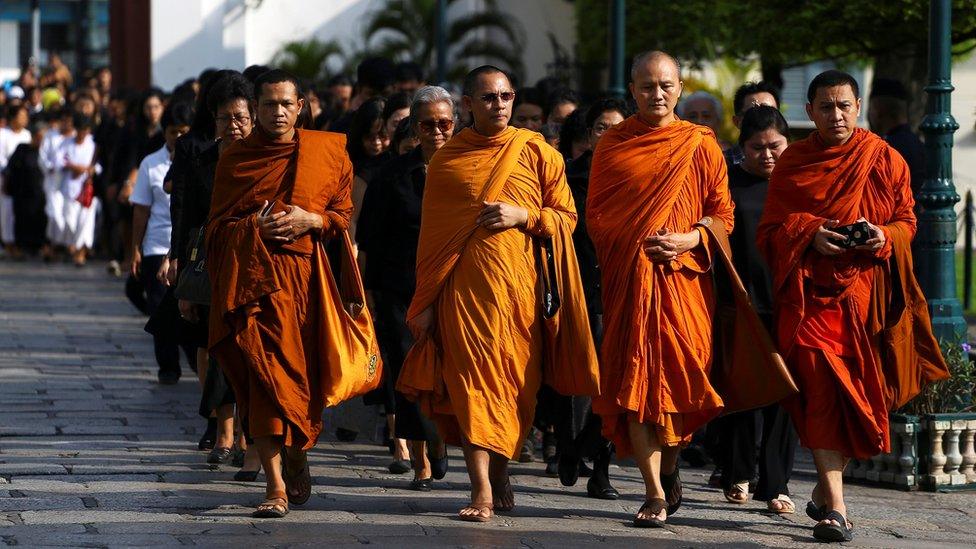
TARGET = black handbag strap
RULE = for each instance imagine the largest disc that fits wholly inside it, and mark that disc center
(547, 272)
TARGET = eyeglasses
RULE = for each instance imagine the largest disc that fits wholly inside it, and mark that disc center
(443, 124)
(504, 96)
(239, 120)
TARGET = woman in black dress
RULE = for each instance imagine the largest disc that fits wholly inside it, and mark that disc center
(228, 102)
(763, 138)
(23, 180)
(388, 236)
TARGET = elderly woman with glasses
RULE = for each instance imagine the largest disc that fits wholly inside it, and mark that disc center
(389, 228)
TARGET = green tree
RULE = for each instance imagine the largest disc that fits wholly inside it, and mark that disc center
(309, 59)
(405, 30)
(892, 34)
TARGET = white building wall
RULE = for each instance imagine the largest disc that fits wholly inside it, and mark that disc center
(188, 36)
(964, 110)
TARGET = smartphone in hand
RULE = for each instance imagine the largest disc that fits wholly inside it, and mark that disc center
(857, 234)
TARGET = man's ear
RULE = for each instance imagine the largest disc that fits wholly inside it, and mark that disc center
(809, 111)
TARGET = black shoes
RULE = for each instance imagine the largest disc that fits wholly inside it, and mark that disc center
(438, 466)
(168, 378)
(345, 435)
(209, 437)
(399, 466)
(422, 484)
(219, 455)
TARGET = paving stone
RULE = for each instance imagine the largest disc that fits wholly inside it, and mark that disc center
(93, 452)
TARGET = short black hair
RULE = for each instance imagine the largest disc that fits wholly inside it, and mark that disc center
(203, 121)
(178, 113)
(829, 79)
(751, 88)
(81, 121)
(403, 131)
(375, 73)
(395, 102)
(471, 79)
(529, 95)
(607, 104)
(408, 70)
(228, 88)
(560, 96)
(572, 131)
(254, 71)
(361, 124)
(276, 76)
(339, 80)
(15, 108)
(761, 118)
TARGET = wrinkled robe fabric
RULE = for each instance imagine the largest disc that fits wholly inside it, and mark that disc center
(267, 298)
(824, 303)
(657, 343)
(478, 373)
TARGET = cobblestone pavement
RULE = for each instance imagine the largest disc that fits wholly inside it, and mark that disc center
(94, 453)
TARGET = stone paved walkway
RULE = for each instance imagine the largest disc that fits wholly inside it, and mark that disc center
(94, 453)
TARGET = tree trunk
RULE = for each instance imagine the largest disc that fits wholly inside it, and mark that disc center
(910, 67)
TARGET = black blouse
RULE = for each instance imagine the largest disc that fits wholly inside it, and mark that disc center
(190, 196)
(578, 177)
(749, 194)
(389, 225)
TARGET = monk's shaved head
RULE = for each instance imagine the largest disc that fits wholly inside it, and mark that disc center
(470, 86)
(643, 59)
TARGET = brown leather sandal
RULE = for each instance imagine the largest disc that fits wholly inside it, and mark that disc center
(738, 493)
(274, 506)
(652, 507)
(297, 483)
(485, 512)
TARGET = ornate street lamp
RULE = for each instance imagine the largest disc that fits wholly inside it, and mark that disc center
(617, 39)
(935, 248)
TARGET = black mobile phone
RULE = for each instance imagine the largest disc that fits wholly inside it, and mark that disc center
(856, 233)
(269, 208)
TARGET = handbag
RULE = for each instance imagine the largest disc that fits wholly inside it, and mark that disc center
(87, 194)
(352, 364)
(546, 264)
(749, 372)
(193, 284)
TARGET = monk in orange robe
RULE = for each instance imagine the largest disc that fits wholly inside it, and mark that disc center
(491, 192)
(837, 324)
(266, 275)
(656, 181)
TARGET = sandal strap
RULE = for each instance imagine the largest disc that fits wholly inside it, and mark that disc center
(653, 506)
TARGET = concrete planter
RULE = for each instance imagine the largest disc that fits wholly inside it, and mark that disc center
(947, 451)
(898, 468)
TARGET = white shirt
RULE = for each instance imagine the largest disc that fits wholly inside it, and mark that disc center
(50, 147)
(9, 140)
(149, 192)
(79, 154)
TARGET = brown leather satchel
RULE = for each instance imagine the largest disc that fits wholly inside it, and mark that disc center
(748, 372)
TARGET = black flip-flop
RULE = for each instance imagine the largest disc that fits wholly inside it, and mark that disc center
(824, 531)
(654, 507)
(816, 513)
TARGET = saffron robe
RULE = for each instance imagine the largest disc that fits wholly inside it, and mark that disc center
(267, 298)
(478, 373)
(657, 342)
(837, 316)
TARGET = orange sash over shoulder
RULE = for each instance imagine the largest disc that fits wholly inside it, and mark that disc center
(478, 372)
(842, 307)
(657, 343)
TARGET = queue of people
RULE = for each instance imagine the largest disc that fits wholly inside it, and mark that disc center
(500, 267)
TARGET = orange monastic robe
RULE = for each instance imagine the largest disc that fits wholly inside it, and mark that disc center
(482, 366)
(657, 341)
(267, 298)
(833, 312)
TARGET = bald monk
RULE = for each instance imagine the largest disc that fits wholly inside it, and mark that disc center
(655, 182)
(266, 274)
(490, 193)
(851, 320)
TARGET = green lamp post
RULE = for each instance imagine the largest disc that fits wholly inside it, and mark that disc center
(617, 38)
(935, 244)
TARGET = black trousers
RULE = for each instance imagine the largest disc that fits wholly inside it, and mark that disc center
(166, 344)
(395, 341)
(777, 446)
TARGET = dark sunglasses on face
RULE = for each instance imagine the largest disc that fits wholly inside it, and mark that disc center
(504, 96)
(443, 124)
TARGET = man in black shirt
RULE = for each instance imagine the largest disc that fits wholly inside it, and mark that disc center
(888, 116)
